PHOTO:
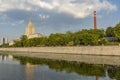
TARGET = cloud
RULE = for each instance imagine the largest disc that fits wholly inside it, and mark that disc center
(75, 8)
(14, 4)
(4, 17)
(21, 21)
(16, 23)
(13, 24)
(42, 16)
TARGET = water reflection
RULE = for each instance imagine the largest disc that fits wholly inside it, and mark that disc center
(25, 68)
(8, 59)
(97, 78)
(94, 70)
(29, 69)
(2, 58)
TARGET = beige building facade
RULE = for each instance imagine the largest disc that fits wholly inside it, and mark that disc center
(30, 31)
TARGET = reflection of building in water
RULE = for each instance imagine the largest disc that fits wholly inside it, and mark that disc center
(29, 69)
(0, 57)
(3, 58)
(10, 57)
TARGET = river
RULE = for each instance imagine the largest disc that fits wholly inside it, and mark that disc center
(26, 68)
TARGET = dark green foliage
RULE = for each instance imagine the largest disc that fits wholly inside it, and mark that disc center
(114, 73)
(72, 66)
(89, 37)
(84, 37)
(110, 32)
(5, 45)
(69, 67)
(117, 32)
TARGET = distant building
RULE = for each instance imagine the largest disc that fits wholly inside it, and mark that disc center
(30, 31)
(11, 43)
(110, 38)
(4, 40)
(36, 35)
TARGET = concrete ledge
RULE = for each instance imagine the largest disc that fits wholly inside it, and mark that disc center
(84, 50)
(88, 54)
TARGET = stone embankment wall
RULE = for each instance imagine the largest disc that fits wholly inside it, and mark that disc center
(87, 54)
(84, 50)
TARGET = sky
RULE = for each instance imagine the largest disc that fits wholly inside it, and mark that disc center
(55, 16)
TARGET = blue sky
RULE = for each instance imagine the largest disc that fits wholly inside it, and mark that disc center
(54, 16)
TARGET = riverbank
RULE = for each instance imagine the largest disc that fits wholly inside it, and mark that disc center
(88, 54)
(84, 50)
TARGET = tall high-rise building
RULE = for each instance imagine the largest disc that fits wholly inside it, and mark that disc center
(95, 20)
(4, 40)
(30, 30)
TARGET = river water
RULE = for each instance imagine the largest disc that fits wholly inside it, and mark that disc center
(25, 68)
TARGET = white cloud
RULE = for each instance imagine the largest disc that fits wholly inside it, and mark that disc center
(13, 24)
(51, 5)
(43, 16)
(17, 22)
(14, 4)
(21, 21)
(76, 8)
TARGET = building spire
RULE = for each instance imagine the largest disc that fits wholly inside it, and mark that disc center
(30, 28)
(30, 19)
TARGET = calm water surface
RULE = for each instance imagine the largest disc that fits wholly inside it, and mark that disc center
(24, 68)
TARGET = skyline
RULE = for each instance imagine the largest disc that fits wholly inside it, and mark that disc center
(54, 16)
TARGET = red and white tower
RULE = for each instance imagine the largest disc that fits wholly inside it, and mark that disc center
(95, 20)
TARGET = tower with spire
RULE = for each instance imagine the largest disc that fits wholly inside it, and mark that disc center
(30, 30)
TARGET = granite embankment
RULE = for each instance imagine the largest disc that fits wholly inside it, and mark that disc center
(87, 54)
(84, 50)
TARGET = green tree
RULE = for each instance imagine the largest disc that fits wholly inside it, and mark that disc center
(117, 32)
(20, 42)
(83, 37)
(89, 37)
(110, 32)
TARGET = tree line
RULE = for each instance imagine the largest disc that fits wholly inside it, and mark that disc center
(82, 37)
